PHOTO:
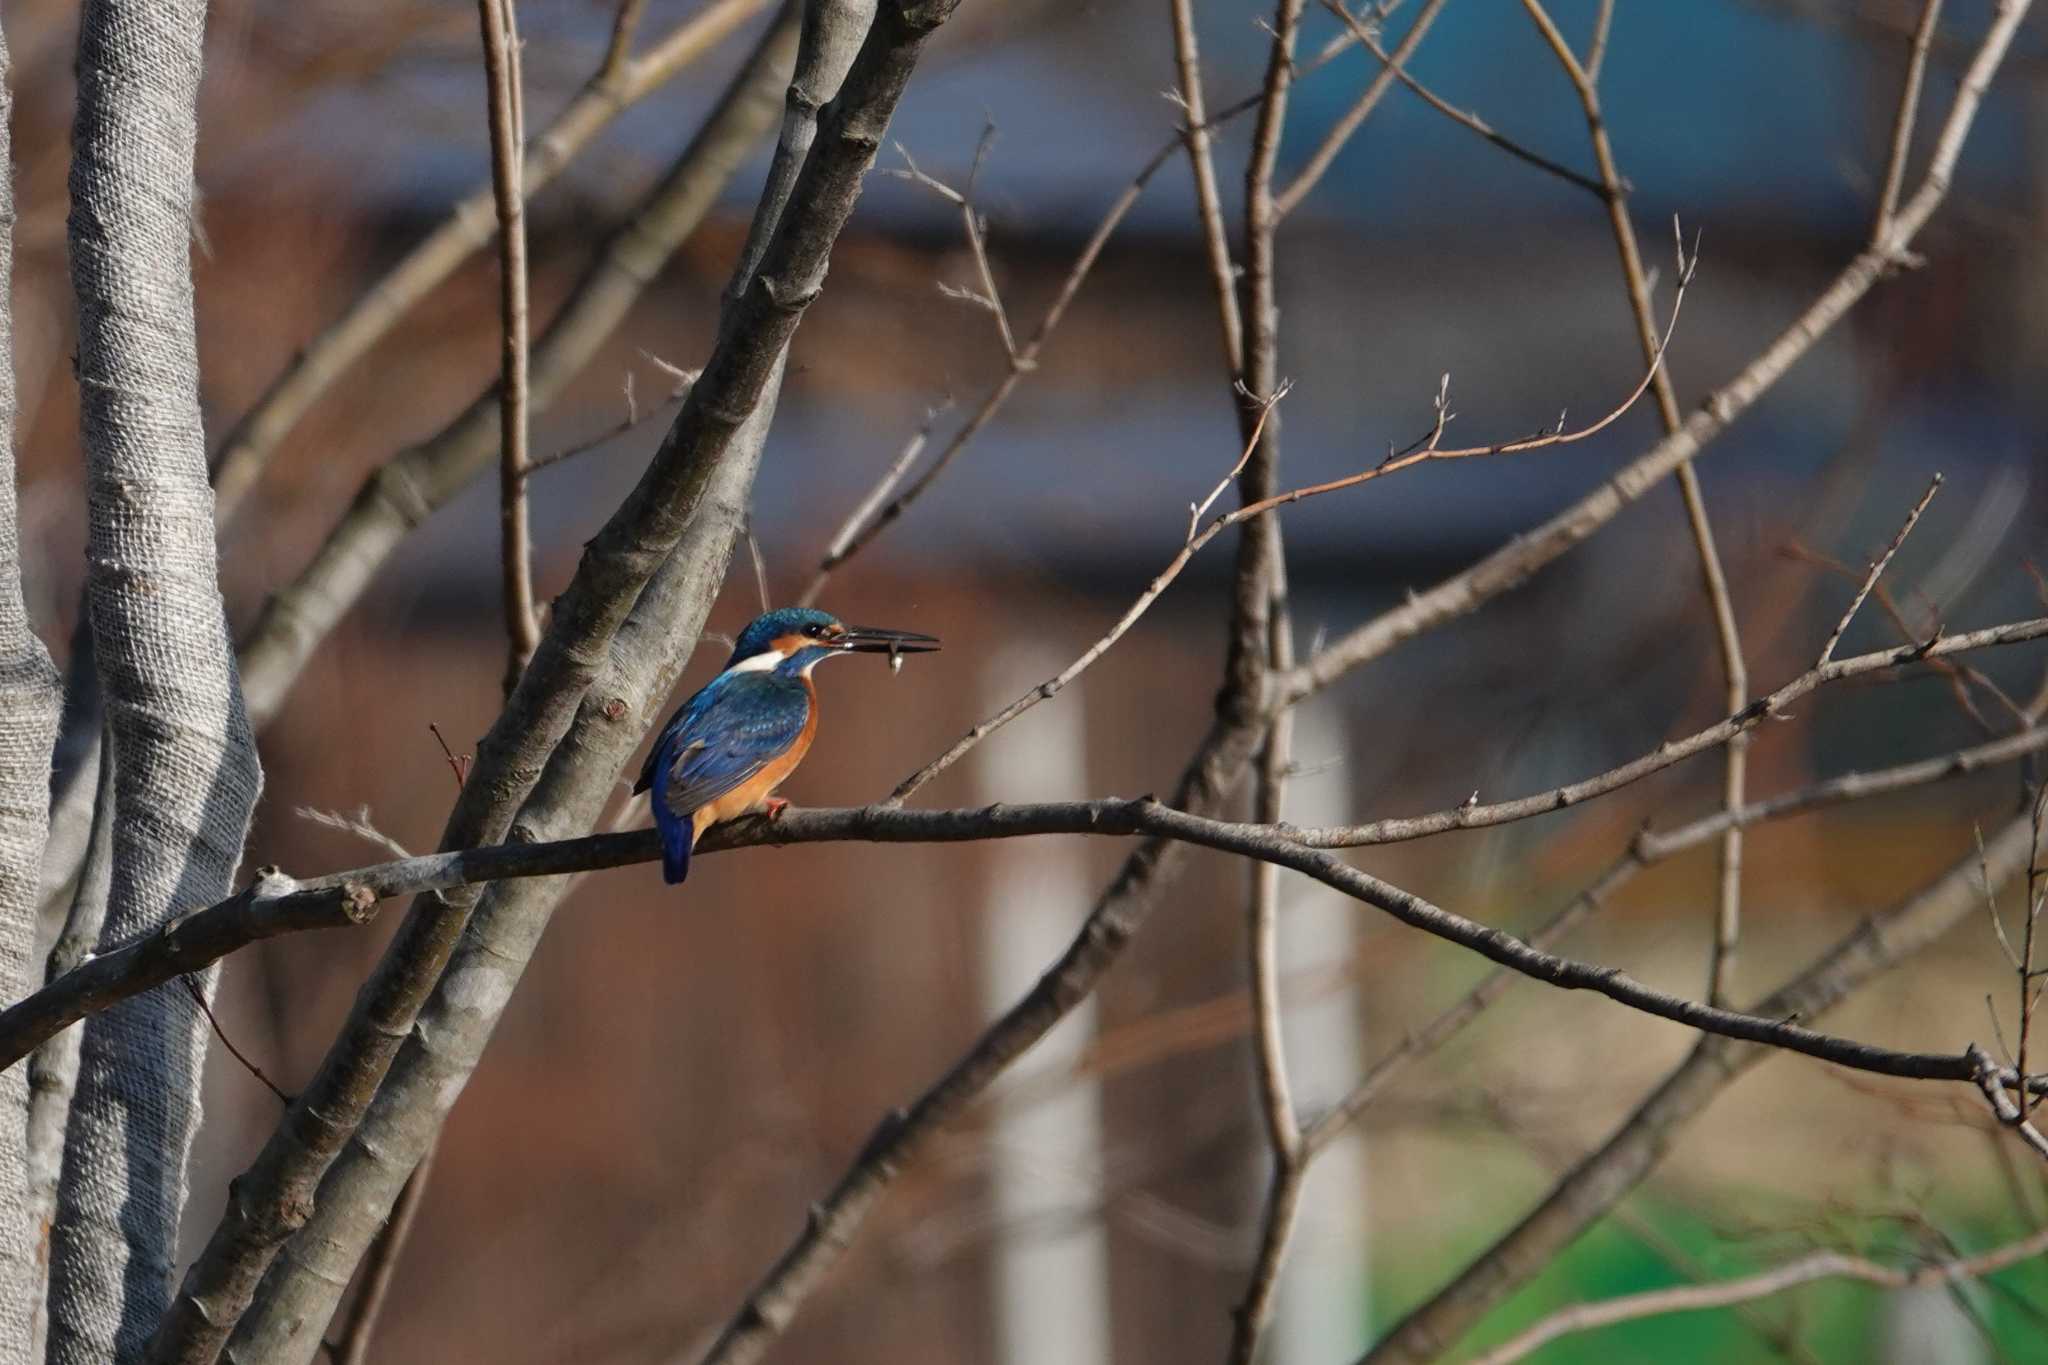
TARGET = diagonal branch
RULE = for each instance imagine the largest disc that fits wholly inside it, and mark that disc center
(271, 1200)
(1465, 118)
(1325, 154)
(1259, 416)
(1877, 568)
(617, 85)
(1515, 562)
(1600, 1180)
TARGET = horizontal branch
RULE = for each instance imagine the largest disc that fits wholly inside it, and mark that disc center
(1654, 846)
(1476, 816)
(276, 904)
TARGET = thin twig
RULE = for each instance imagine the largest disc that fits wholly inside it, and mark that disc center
(1827, 651)
(1903, 119)
(458, 764)
(1340, 133)
(837, 548)
(867, 524)
(358, 824)
(1994, 1081)
(1463, 117)
(632, 421)
(619, 46)
(1596, 51)
(1821, 1265)
(1208, 201)
(198, 994)
(760, 564)
(1646, 850)
(1727, 930)
(1515, 562)
(976, 229)
(499, 24)
(1429, 448)
(2037, 887)
(1961, 677)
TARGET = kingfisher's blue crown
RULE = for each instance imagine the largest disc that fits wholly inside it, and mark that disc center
(764, 630)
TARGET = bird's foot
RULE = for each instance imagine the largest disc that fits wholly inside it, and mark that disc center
(774, 806)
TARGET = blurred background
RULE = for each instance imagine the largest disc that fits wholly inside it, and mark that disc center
(684, 1070)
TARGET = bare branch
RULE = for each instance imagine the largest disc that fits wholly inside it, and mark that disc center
(838, 547)
(616, 86)
(1827, 651)
(619, 46)
(1208, 202)
(499, 24)
(976, 230)
(1515, 562)
(1275, 1102)
(866, 523)
(1692, 1298)
(1599, 1181)
(631, 422)
(275, 904)
(1463, 117)
(380, 1271)
(1320, 160)
(1596, 51)
(1994, 1082)
(1902, 121)
(1645, 850)
(399, 496)
(1259, 409)
(1713, 577)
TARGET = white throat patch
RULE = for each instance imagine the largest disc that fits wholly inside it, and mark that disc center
(759, 663)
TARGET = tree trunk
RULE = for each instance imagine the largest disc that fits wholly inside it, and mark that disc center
(28, 728)
(186, 775)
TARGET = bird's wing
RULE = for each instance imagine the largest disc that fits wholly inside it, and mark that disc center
(724, 735)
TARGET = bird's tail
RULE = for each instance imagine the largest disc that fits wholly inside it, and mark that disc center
(677, 834)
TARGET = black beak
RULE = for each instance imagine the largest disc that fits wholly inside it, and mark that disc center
(873, 640)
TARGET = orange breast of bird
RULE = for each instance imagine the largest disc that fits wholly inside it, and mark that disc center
(751, 793)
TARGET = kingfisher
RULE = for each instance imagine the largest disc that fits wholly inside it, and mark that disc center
(728, 747)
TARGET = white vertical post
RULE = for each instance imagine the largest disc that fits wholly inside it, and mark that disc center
(1322, 1309)
(1051, 1255)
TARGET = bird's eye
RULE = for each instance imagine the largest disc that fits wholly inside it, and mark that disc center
(814, 631)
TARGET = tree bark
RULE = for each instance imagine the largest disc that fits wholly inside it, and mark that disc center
(186, 775)
(29, 696)
(300, 1293)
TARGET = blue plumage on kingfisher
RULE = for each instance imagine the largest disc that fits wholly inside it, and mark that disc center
(728, 747)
